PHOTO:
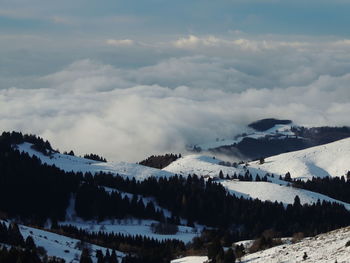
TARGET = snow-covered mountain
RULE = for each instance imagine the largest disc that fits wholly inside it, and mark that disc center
(334, 154)
(326, 160)
(320, 161)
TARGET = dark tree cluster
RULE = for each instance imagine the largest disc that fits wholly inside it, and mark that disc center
(93, 202)
(335, 187)
(208, 203)
(18, 255)
(24, 181)
(322, 135)
(164, 228)
(247, 177)
(95, 157)
(11, 235)
(107, 258)
(216, 253)
(21, 251)
(160, 161)
(32, 190)
(140, 248)
(10, 138)
(265, 124)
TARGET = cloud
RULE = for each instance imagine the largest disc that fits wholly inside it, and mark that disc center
(192, 41)
(128, 114)
(119, 42)
(129, 103)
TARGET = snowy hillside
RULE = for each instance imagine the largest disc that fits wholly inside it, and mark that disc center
(78, 164)
(329, 247)
(274, 190)
(330, 159)
(133, 227)
(191, 259)
(324, 248)
(59, 245)
(326, 160)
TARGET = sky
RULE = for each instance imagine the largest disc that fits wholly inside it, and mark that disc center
(128, 79)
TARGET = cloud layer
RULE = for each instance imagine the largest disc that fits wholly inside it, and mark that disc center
(210, 91)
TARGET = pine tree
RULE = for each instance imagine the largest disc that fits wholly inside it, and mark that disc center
(85, 256)
(229, 256)
(113, 257)
(29, 243)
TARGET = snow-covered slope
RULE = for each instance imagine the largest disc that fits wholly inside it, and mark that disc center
(330, 159)
(329, 247)
(274, 190)
(134, 227)
(210, 167)
(325, 248)
(59, 245)
(78, 164)
(200, 165)
(191, 259)
(326, 160)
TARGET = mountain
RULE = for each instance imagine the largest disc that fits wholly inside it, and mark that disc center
(321, 161)
(270, 137)
(305, 164)
(194, 205)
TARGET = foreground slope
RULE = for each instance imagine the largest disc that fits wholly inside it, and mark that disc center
(324, 248)
(329, 247)
(330, 159)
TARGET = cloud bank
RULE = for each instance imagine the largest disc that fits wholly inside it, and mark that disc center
(211, 88)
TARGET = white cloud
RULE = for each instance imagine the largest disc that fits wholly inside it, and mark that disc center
(92, 107)
(189, 91)
(119, 42)
(193, 41)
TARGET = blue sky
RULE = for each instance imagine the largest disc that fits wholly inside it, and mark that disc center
(142, 17)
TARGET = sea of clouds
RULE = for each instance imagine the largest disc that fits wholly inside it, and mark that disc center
(183, 91)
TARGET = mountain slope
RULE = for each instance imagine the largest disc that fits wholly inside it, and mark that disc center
(330, 159)
(60, 246)
(328, 247)
(324, 248)
(274, 189)
(266, 191)
(78, 164)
